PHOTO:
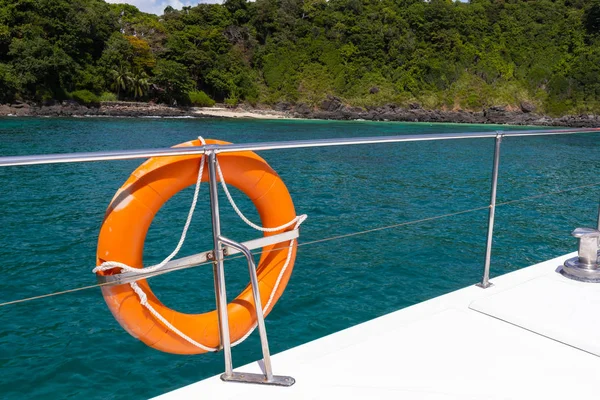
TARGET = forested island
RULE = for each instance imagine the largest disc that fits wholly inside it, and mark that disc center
(336, 58)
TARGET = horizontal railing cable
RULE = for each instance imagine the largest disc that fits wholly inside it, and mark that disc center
(331, 238)
(232, 258)
(537, 196)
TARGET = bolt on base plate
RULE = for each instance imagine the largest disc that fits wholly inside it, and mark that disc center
(261, 379)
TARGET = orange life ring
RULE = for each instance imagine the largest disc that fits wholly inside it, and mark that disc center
(126, 224)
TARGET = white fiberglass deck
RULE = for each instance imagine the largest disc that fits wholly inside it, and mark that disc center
(533, 335)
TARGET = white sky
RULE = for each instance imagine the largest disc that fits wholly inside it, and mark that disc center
(157, 6)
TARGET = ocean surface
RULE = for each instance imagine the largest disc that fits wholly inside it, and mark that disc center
(69, 346)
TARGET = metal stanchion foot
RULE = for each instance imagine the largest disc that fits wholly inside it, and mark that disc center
(261, 379)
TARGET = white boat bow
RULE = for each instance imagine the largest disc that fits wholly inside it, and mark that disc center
(533, 335)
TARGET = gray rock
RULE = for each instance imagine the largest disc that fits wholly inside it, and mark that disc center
(303, 109)
(331, 103)
(356, 110)
(19, 104)
(527, 107)
(282, 106)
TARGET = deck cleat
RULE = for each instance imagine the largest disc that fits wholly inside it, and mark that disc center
(585, 266)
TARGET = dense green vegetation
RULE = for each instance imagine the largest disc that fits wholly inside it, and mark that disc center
(439, 54)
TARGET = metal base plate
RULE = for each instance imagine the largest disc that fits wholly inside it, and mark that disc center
(573, 269)
(481, 285)
(244, 377)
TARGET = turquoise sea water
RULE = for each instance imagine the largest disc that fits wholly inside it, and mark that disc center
(69, 346)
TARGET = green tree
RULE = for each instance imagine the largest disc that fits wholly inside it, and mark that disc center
(121, 79)
(118, 51)
(439, 53)
(172, 81)
(139, 84)
(8, 84)
(43, 70)
(591, 18)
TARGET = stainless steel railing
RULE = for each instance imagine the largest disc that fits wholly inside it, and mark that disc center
(297, 144)
(485, 280)
(219, 241)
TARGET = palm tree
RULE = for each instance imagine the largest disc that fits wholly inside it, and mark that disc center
(121, 78)
(139, 84)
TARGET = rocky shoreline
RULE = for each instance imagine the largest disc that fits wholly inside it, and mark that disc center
(333, 108)
(105, 109)
(330, 109)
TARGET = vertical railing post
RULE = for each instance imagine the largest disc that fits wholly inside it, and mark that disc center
(221, 295)
(485, 281)
(260, 318)
(218, 267)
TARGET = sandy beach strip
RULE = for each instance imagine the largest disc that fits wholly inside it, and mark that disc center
(240, 113)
